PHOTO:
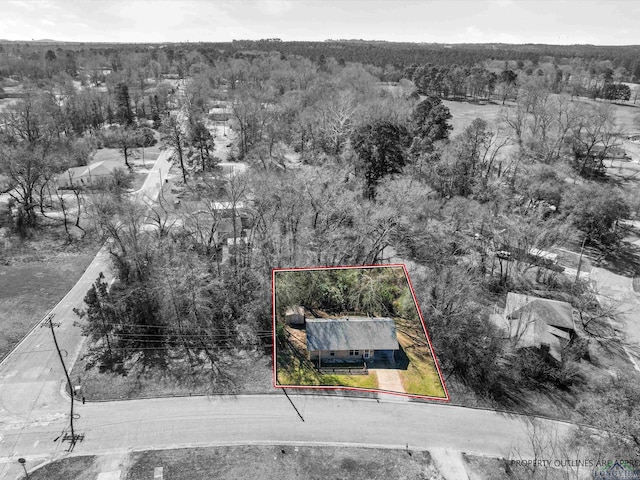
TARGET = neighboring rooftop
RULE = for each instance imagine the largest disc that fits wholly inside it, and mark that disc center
(534, 322)
(86, 174)
(351, 333)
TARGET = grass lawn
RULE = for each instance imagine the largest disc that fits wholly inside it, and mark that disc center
(292, 371)
(33, 279)
(360, 381)
(464, 113)
(421, 376)
(248, 372)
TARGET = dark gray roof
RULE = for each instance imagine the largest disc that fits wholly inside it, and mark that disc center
(536, 321)
(352, 333)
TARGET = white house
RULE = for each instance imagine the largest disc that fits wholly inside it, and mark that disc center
(87, 175)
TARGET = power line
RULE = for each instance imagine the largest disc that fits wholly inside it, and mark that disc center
(151, 325)
(204, 331)
(173, 347)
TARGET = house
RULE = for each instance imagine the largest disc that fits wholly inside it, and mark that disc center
(608, 152)
(533, 322)
(219, 114)
(544, 255)
(294, 315)
(227, 208)
(87, 175)
(351, 339)
(230, 169)
(231, 241)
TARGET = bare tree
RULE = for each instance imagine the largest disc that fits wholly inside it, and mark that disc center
(546, 454)
(175, 137)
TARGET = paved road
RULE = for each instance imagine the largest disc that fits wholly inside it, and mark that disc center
(33, 411)
(157, 175)
(163, 423)
(31, 377)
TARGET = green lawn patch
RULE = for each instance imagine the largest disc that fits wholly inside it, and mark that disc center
(421, 376)
(292, 370)
(359, 381)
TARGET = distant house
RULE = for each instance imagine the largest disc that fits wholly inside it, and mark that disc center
(609, 153)
(231, 169)
(87, 175)
(227, 207)
(352, 338)
(294, 315)
(533, 322)
(219, 114)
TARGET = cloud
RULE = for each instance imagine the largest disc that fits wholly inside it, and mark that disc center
(274, 8)
(22, 4)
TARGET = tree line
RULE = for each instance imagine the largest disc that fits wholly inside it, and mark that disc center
(346, 172)
(41, 60)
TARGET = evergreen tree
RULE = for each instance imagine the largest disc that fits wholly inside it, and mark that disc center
(381, 150)
(124, 114)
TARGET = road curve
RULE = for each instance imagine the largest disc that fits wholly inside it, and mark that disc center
(33, 413)
(31, 376)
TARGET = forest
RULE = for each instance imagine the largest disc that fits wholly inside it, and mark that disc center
(343, 169)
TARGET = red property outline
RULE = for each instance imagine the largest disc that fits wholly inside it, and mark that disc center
(328, 387)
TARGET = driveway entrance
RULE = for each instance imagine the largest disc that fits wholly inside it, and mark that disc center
(388, 379)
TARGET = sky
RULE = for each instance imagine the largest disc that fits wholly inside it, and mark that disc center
(600, 22)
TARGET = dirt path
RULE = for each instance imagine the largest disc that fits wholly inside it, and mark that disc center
(449, 463)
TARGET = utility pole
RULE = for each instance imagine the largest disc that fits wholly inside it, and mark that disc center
(22, 462)
(73, 438)
(580, 260)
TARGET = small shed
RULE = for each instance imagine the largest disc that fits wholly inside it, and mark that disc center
(294, 315)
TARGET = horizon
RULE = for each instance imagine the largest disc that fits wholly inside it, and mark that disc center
(510, 22)
(337, 40)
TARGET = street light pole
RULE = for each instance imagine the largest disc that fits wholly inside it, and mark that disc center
(22, 462)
